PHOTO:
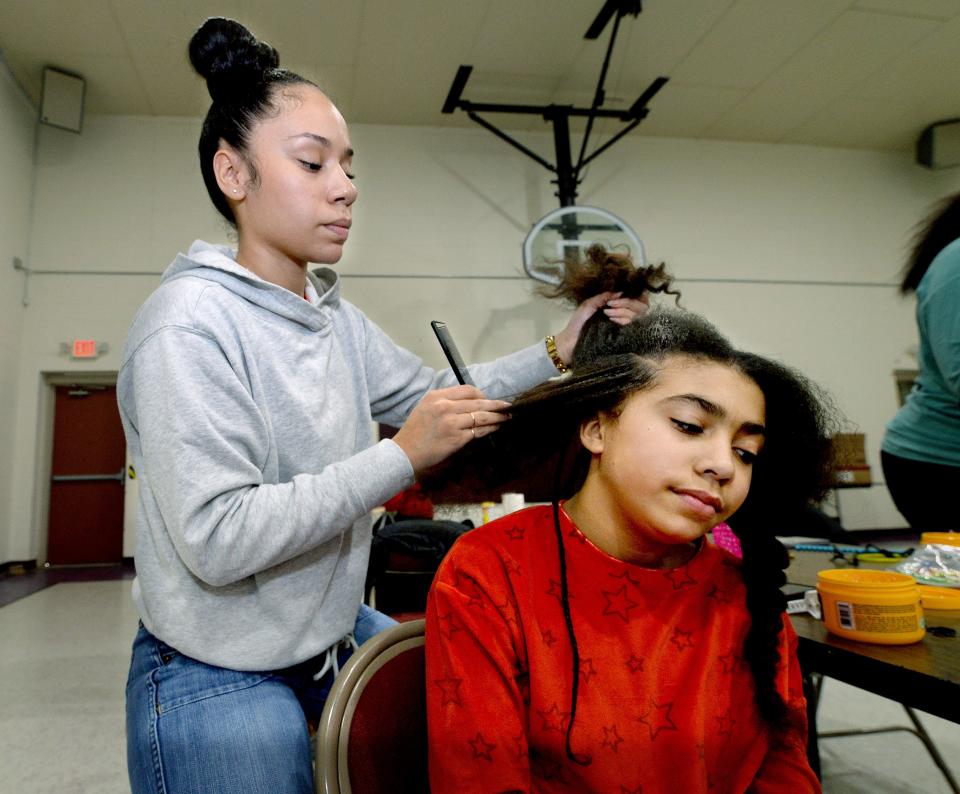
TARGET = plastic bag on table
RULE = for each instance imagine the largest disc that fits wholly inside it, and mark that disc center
(935, 564)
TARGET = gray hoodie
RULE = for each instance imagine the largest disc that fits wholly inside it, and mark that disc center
(248, 412)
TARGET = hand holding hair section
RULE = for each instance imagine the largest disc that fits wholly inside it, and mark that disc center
(608, 291)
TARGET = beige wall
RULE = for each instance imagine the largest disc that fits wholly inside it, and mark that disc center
(437, 235)
(16, 187)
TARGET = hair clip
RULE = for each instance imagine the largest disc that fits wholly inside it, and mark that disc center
(810, 603)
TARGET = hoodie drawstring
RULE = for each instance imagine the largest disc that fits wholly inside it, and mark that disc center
(332, 660)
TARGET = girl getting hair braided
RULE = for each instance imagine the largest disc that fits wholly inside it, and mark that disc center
(601, 642)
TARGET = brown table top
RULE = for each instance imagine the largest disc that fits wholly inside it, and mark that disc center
(925, 674)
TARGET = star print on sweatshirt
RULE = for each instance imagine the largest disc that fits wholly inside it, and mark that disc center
(665, 703)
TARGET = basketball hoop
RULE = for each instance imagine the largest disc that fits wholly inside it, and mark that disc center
(565, 233)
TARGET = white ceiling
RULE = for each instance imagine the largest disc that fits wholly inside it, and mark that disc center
(849, 73)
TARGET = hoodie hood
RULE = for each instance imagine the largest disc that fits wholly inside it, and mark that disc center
(217, 263)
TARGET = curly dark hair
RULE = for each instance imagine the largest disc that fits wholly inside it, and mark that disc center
(791, 474)
(601, 270)
(243, 77)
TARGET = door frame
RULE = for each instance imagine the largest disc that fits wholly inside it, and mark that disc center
(45, 410)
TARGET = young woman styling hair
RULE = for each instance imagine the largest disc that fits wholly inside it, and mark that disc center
(247, 390)
(600, 644)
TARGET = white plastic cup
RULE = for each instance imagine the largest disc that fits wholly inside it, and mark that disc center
(511, 502)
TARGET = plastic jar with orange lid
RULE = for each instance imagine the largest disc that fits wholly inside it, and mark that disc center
(940, 538)
(871, 606)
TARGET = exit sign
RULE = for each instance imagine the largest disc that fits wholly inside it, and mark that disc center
(84, 348)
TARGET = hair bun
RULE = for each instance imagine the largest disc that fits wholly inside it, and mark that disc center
(230, 58)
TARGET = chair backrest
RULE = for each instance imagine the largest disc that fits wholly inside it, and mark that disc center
(404, 556)
(373, 732)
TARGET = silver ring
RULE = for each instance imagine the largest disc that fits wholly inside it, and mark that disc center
(473, 432)
(474, 420)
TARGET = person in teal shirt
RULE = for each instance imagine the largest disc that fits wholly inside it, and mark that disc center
(921, 448)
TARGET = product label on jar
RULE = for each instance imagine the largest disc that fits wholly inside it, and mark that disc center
(878, 618)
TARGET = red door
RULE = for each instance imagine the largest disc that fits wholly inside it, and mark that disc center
(86, 489)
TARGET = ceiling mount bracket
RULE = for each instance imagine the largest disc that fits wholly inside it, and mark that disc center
(568, 173)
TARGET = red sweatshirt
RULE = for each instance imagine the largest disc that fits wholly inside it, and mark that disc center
(665, 703)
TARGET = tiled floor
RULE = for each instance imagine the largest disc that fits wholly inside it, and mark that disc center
(13, 588)
(64, 652)
(63, 661)
(890, 762)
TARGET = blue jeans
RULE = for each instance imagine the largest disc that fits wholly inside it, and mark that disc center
(195, 728)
